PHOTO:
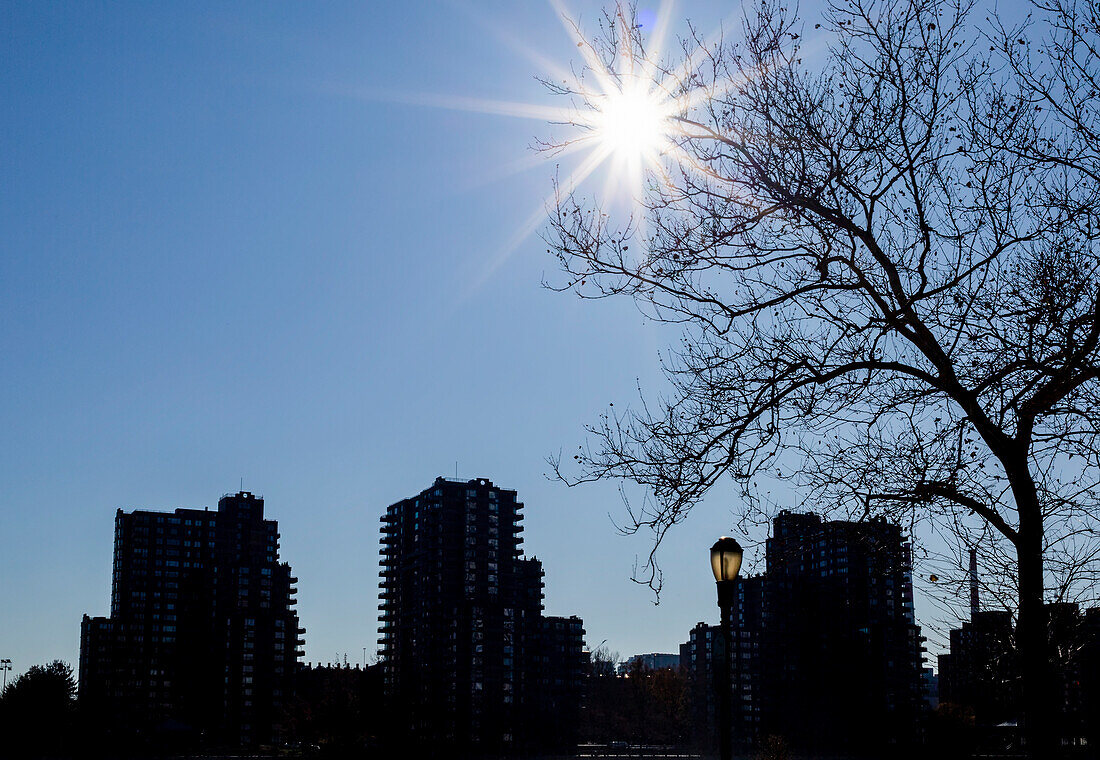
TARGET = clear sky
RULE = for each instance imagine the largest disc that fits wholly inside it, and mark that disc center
(233, 246)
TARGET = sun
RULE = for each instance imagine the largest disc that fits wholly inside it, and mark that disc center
(633, 123)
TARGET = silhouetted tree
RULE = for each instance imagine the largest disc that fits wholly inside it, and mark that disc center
(951, 731)
(339, 710)
(772, 748)
(601, 715)
(37, 711)
(643, 705)
(878, 234)
(656, 705)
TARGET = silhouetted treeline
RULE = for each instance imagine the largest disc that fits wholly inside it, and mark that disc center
(342, 712)
(336, 711)
(38, 714)
(643, 706)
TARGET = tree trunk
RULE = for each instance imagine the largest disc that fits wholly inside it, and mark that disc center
(1041, 706)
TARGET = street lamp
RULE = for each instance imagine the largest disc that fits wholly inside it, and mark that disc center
(725, 563)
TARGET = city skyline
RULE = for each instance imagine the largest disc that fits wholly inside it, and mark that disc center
(561, 601)
(217, 267)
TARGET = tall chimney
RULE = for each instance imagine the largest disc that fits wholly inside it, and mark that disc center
(973, 584)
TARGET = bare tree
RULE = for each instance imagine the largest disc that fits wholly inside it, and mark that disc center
(878, 234)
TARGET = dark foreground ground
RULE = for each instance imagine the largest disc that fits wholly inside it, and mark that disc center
(589, 752)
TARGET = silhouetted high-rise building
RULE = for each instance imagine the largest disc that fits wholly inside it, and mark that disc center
(203, 638)
(839, 621)
(561, 664)
(467, 656)
(825, 648)
(704, 651)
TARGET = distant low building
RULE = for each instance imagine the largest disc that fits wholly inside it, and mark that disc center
(980, 674)
(930, 687)
(652, 661)
(203, 640)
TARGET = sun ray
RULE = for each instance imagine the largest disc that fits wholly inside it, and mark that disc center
(591, 58)
(671, 80)
(661, 31)
(521, 165)
(554, 114)
(544, 64)
(572, 180)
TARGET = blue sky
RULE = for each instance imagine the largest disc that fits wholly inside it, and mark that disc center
(228, 249)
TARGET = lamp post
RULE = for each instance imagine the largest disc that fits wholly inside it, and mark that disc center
(725, 563)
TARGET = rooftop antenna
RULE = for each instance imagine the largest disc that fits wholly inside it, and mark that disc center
(242, 485)
(456, 469)
(974, 605)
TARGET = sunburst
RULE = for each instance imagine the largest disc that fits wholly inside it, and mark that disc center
(626, 111)
(625, 115)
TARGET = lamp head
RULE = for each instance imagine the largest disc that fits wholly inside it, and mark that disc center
(725, 559)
